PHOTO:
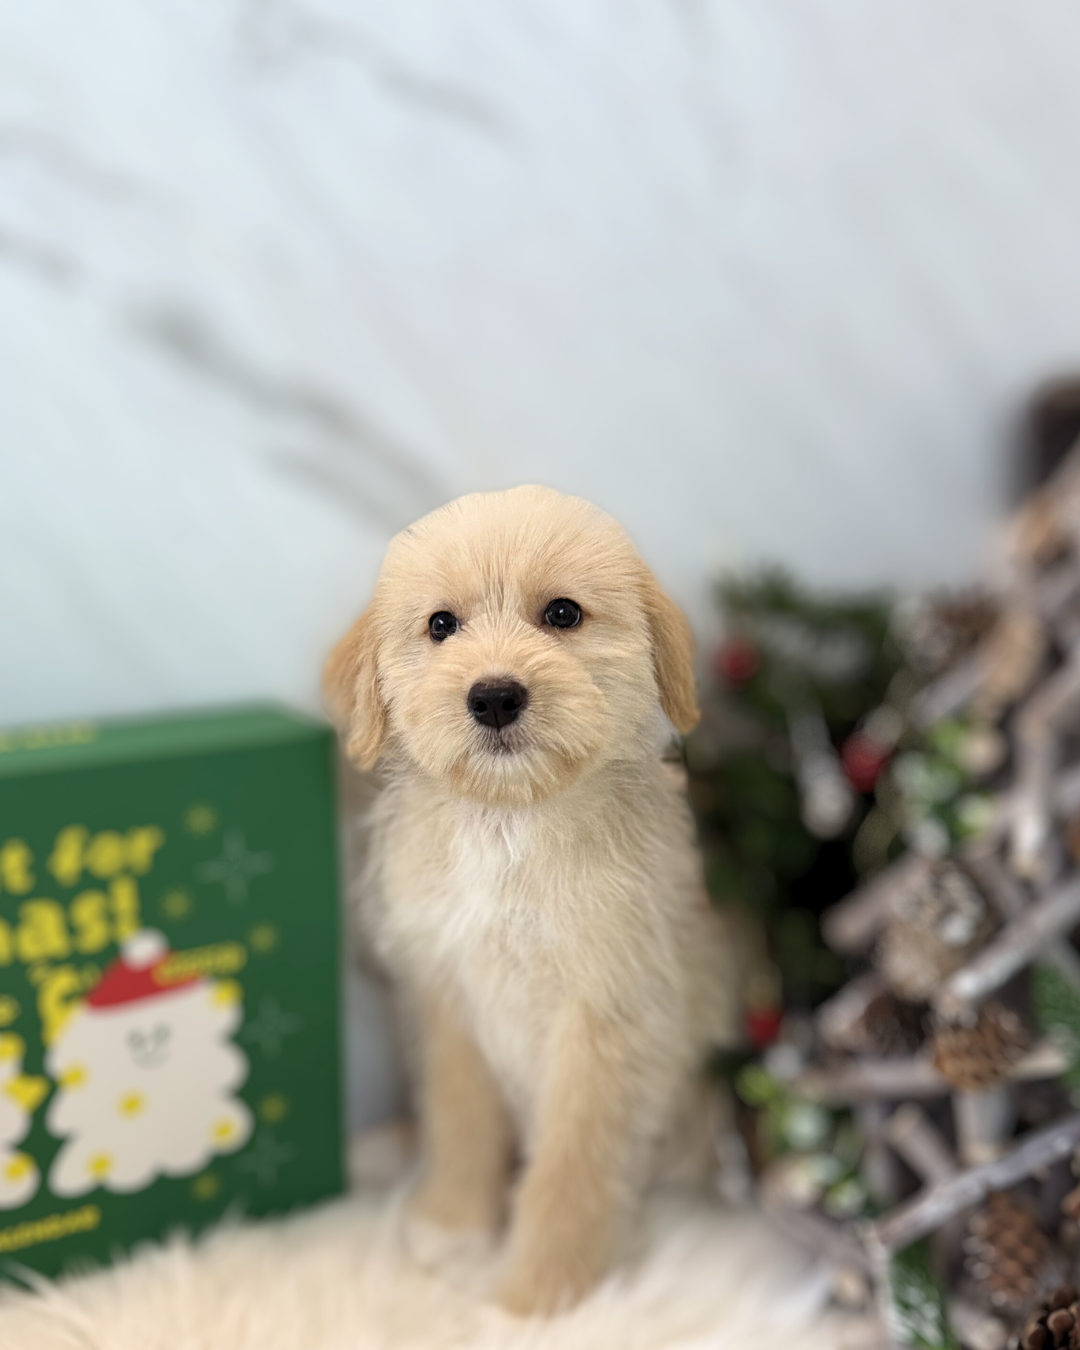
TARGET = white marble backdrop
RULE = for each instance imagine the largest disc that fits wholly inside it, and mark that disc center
(766, 278)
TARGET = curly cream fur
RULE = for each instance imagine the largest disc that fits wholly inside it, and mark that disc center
(537, 897)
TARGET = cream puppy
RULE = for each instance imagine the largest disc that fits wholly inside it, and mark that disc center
(534, 887)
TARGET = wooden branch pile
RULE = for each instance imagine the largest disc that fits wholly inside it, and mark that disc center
(941, 1044)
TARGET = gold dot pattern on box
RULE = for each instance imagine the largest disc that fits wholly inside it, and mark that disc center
(9, 1010)
(205, 1187)
(200, 819)
(263, 938)
(273, 1108)
(176, 905)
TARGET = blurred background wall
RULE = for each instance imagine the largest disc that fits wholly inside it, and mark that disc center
(767, 280)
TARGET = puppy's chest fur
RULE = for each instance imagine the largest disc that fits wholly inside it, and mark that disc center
(519, 912)
(476, 906)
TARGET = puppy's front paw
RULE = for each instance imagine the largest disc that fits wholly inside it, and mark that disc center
(439, 1233)
(435, 1247)
(530, 1288)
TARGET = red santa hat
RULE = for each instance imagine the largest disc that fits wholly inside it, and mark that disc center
(138, 972)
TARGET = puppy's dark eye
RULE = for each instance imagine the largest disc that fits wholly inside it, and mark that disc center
(563, 614)
(441, 625)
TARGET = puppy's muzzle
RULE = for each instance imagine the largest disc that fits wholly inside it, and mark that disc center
(497, 705)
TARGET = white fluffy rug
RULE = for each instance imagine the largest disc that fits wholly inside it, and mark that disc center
(335, 1279)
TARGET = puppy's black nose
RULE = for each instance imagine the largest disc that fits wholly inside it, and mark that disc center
(497, 705)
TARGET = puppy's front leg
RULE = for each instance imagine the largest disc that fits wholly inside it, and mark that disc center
(465, 1134)
(566, 1213)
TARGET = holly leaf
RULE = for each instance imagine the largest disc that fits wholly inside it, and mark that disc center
(917, 1307)
(757, 1087)
(1057, 1006)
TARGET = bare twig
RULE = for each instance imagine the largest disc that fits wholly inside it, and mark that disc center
(949, 692)
(1012, 653)
(913, 1220)
(998, 884)
(878, 1166)
(839, 1018)
(1036, 746)
(1066, 800)
(976, 1328)
(1008, 895)
(920, 1143)
(821, 1235)
(1046, 1059)
(853, 924)
(884, 1301)
(1067, 791)
(1055, 590)
(984, 1120)
(1014, 947)
(867, 1080)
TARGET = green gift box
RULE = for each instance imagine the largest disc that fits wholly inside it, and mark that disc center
(169, 978)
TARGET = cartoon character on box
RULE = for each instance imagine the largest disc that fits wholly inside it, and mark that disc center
(20, 1095)
(146, 1075)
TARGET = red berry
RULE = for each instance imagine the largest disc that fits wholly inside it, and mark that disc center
(863, 760)
(737, 660)
(763, 1026)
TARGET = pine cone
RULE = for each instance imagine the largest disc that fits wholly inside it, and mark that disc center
(936, 927)
(892, 1027)
(938, 630)
(967, 616)
(1007, 1256)
(979, 1056)
(1055, 1325)
(1070, 1205)
(1012, 653)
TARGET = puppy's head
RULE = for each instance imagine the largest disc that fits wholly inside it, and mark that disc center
(515, 640)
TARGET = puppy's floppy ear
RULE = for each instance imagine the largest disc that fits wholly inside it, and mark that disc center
(673, 654)
(351, 692)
